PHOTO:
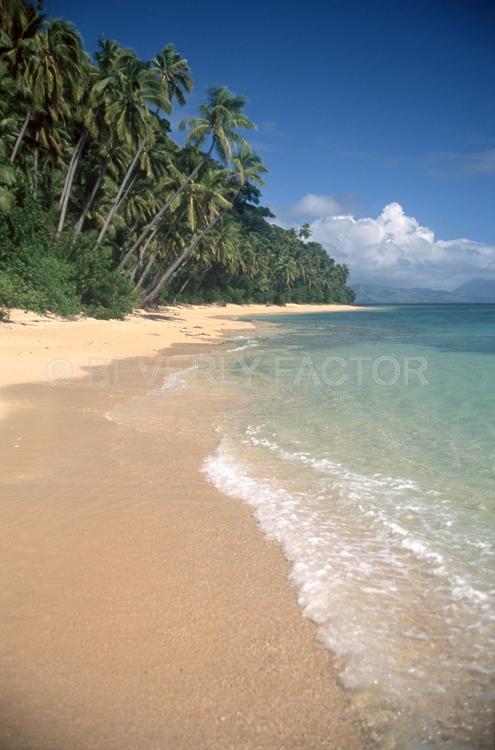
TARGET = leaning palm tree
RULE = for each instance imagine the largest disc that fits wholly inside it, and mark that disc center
(53, 76)
(221, 119)
(104, 160)
(116, 114)
(105, 146)
(19, 27)
(133, 87)
(83, 118)
(174, 72)
(210, 201)
(152, 247)
(247, 167)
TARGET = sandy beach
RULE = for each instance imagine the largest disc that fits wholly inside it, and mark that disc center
(30, 342)
(141, 608)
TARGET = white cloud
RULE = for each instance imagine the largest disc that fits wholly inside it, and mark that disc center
(394, 249)
(312, 206)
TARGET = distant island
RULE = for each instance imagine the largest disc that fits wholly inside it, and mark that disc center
(474, 291)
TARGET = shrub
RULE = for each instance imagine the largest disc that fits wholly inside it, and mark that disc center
(50, 288)
(41, 273)
(104, 292)
(237, 296)
(34, 273)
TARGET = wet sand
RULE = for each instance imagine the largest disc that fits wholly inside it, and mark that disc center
(140, 607)
(36, 347)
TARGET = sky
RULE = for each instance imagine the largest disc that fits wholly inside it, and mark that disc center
(376, 118)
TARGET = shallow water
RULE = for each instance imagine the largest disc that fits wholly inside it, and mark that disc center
(366, 444)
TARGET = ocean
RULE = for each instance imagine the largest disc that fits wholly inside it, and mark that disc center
(365, 443)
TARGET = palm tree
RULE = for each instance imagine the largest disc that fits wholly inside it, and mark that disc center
(247, 166)
(71, 172)
(109, 54)
(7, 178)
(20, 24)
(8, 94)
(52, 78)
(133, 86)
(160, 242)
(305, 232)
(211, 200)
(117, 118)
(227, 247)
(174, 72)
(221, 118)
(107, 161)
(179, 261)
(102, 134)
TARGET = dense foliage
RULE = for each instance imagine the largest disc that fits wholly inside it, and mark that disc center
(100, 209)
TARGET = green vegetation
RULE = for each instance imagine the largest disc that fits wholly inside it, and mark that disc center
(100, 209)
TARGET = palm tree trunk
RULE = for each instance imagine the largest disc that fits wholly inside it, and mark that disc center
(126, 193)
(146, 271)
(153, 256)
(178, 262)
(130, 251)
(166, 206)
(153, 233)
(89, 202)
(134, 271)
(142, 252)
(187, 282)
(69, 178)
(73, 158)
(21, 135)
(155, 279)
(36, 161)
(120, 191)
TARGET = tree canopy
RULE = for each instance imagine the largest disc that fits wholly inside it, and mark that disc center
(101, 209)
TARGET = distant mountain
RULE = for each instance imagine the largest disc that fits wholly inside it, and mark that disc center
(477, 290)
(369, 294)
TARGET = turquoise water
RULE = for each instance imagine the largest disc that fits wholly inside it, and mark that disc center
(365, 442)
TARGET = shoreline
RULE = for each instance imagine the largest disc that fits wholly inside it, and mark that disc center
(29, 341)
(145, 608)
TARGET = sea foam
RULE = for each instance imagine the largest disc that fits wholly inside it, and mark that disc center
(372, 579)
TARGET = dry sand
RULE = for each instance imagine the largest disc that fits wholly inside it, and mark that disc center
(141, 609)
(31, 344)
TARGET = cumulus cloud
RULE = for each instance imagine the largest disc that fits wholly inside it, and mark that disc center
(395, 250)
(312, 206)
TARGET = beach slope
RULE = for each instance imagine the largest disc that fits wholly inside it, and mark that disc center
(142, 608)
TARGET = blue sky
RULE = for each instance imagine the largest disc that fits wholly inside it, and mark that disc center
(369, 103)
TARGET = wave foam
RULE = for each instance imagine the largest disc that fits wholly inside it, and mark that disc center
(177, 381)
(250, 343)
(358, 550)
